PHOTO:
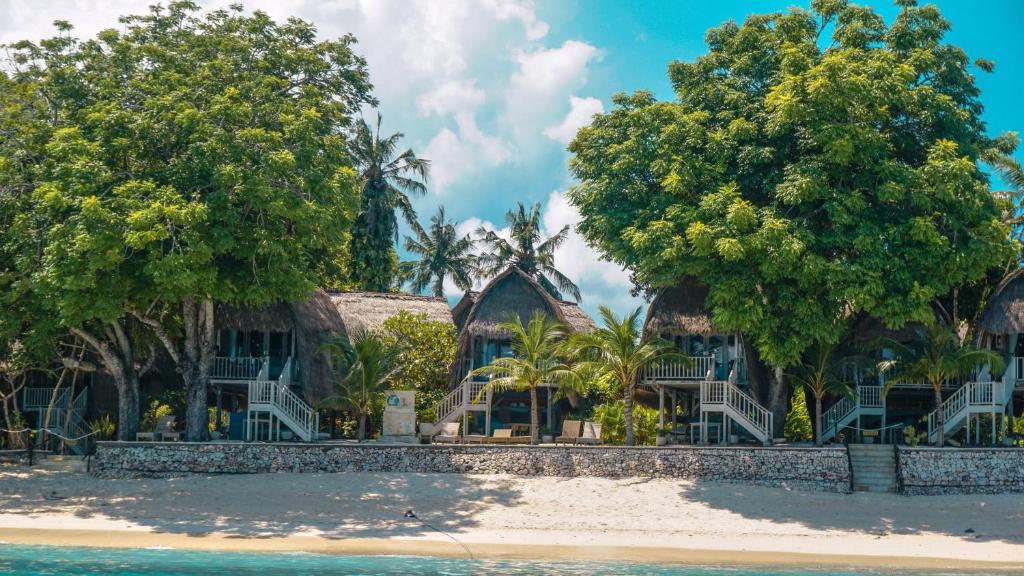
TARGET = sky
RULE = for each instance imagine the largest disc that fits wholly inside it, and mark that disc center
(492, 91)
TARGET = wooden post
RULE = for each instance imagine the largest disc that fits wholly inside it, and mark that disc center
(674, 404)
(487, 415)
(218, 413)
(551, 411)
(661, 407)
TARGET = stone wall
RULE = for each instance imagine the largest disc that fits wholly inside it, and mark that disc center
(798, 468)
(960, 470)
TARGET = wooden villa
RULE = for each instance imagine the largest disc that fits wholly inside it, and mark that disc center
(712, 387)
(511, 294)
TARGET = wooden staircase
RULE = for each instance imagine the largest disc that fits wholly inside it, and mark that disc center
(970, 399)
(272, 404)
(867, 401)
(67, 416)
(873, 467)
(724, 397)
(466, 397)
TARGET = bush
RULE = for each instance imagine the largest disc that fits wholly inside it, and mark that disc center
(798, 420)
(153, 414)
(612, 418)
(103, 427)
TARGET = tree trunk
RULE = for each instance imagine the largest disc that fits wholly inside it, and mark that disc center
(115, 352)
(361, 431)
(940, 418)
(777, 402)
(127, 406)
(534, 417)
(627, 414)
(194, 362)
(756, 373)
(817, 419)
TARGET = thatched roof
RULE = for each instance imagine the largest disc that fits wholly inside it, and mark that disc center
(369, 310)
(680, 309)
(461, 310)
(513, 293)
(1004, 313)
(274, 318)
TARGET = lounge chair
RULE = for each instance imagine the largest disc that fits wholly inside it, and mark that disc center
(501, 436)
(164, 431)
(449, 433)
(591, 434)
(570, 431)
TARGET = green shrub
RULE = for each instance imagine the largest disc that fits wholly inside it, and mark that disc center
(103, 427)
(612, 418)
(798, 420)
(153, 414)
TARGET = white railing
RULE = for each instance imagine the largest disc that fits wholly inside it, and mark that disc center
(970, 398)
(836, 414)
(286, 373)
(241, 368)
(39, 399)
(275, 397)
(738, 405)
(870, 397)
(450, 405)
(695, 369)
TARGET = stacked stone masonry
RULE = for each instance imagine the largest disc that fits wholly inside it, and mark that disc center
(961, 471)
(822, 469)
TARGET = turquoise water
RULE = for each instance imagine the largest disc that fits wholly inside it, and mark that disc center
(87, 561)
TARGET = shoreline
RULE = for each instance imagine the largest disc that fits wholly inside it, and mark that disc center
(440, 546)
(645, 520)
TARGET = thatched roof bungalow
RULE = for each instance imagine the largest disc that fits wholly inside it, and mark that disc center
(511, 294)
(298, 330)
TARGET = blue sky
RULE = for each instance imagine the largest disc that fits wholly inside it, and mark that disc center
(491, 91)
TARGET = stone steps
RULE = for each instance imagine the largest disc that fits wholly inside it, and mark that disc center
(874, 468)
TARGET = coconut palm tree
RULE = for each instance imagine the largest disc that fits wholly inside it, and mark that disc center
(821, 373)
(616, 353)
(442, 255)
(388, 179)
(365, 365)
(534, 363)
(526, 251)
(935, 357)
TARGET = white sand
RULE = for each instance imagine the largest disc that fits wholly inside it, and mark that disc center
(505, 516)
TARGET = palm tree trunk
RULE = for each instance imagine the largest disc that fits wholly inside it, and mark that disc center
(534, 417)
(627, 413)
(940, 417)
(361, 432)
(817, 418)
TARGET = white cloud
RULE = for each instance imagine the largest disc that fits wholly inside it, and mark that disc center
(452, 97)
(581, 113)
(454, 156)
(574, 257)
(522, 11)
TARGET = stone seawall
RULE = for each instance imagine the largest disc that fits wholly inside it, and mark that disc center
(960, 470)
(823, 469)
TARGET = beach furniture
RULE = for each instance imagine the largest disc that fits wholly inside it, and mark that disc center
(164, 431)
(449, 433)
(501, 436)
(591, 434)
(570, 431)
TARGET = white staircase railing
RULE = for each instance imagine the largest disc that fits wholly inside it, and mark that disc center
(971, 398)
(276, 398)
(848, 408)
(695, 369)
(727, 398)
(460, 399)
(39, 399)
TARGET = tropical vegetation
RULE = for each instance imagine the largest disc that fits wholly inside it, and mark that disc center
(365, 367)
(820, 372)
(442, 254)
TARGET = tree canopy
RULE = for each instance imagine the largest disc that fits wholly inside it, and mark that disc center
(181, 160)
(814, 164)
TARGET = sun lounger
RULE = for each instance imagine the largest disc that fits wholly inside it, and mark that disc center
(449, 433)
(501, 436)
(570, 431)
(591, 434)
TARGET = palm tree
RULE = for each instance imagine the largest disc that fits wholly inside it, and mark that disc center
(935, 357)
(821, 373)
(442, 254)
(526, 251)
(387, 180)
(535, 363)
(366, 365)
(616, 353)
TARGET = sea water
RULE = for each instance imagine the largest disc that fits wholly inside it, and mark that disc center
(60, 561)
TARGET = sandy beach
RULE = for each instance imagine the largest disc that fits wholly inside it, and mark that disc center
(638, 519)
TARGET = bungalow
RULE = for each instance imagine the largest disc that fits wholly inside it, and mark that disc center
(271, 363)
(713, 383)
(1001, 328)
(511, 294)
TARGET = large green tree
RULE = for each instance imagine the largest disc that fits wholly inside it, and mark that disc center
(527, 250)
(388, 178)
(179, 161)
(442, 254)
(815, 163)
